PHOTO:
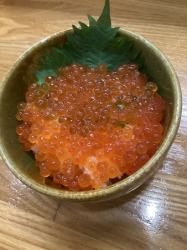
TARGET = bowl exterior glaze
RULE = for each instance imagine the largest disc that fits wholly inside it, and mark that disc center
(12, 90)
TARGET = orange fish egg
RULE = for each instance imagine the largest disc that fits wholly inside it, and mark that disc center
(88, 126)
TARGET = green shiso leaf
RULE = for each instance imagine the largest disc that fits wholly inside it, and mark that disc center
(92, 46)
(105, 19)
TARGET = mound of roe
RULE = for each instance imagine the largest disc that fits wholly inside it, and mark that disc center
(89, 127)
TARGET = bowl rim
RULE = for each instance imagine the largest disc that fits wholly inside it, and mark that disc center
(126, 183)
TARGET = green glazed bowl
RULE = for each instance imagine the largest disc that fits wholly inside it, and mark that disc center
(22, 164)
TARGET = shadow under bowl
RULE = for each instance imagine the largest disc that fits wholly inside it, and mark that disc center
(22, 164)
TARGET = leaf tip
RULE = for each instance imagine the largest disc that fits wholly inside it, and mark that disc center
(105, 19)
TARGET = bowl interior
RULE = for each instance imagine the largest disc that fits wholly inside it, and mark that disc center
(13, 88)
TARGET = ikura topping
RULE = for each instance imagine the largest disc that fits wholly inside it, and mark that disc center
(89, 127)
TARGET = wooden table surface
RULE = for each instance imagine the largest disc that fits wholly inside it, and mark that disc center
(153, 217)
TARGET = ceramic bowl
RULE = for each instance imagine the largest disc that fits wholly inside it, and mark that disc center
(22, 164)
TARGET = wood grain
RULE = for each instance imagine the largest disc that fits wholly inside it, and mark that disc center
(155, 216)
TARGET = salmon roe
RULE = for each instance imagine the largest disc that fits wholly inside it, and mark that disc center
(88, 127)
